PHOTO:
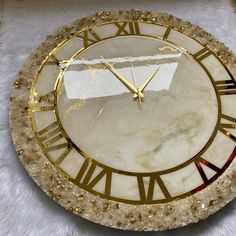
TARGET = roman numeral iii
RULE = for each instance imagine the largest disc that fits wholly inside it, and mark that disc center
(226, 87)
(50, 135)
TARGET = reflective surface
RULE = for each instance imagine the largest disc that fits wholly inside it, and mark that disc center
(14, 21)
(135, 105)
(165, 128)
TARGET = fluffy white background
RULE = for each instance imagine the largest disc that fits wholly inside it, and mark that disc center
(24, 208)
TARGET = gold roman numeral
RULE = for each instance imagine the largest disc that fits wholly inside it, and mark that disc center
(166, 34)
(201, 161)
(48, 98)
(231, 125)
(44, 103)
(226, 87)
(89, 37)
(127, 28)
(147, 196)
(50, 135)
(202, 54)
(53, 61)
(85, 175)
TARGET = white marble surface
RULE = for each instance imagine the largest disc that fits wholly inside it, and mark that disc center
(145, 137)
(25, 209)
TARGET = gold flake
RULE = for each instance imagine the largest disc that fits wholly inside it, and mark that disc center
(51, 182)
(170, 209)
(106, 205)
(118, 223)
(20, 151)
(75, 106)
(168, 48)
(12, 98)
(213, 202)
(100, 111)
(94, 203)
(80, 197)
(17, 84)
(195, 204)
(133, 220)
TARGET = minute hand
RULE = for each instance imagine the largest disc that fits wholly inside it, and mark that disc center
(146, 82)
(122, 79)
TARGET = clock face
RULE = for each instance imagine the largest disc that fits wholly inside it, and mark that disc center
(135, 112)
(129, 120)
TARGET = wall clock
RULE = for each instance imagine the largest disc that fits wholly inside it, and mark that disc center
(128, 119)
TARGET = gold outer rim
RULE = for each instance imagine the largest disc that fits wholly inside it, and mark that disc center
(146, 217)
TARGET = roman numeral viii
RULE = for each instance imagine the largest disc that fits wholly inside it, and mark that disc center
(52, 139)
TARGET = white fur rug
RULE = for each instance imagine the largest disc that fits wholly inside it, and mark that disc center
(24, 208)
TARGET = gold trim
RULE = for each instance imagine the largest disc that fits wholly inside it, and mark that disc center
(141, 217)
(199, 56)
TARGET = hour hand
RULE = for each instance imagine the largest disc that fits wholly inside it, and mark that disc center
(130, 86)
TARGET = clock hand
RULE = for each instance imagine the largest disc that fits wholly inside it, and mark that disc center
(130, 86)
(146, 82)
(134, 79)
(133, 75)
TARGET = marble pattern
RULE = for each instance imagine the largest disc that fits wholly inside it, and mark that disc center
(176, 118)
(134, 219)
(145, 138)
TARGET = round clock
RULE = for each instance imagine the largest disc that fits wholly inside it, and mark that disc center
(128, 119)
